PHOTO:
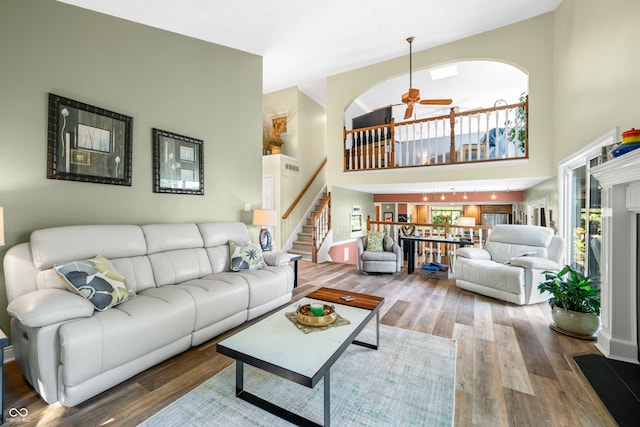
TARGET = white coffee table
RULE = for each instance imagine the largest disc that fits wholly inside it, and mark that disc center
(274, 344)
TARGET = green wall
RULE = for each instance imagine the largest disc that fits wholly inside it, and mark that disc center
(596, 63)
(161, 79)
(342, 201)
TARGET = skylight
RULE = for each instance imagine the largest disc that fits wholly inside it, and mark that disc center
(444, 72)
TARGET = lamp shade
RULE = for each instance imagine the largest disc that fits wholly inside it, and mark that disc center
(265, 217)
(468, 221)
(1, 226)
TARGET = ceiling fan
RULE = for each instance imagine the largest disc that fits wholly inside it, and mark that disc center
(411, 97)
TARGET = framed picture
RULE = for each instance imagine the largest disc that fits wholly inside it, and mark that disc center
(279, 125)
(178, 166)
(388, 217)
(87, 143)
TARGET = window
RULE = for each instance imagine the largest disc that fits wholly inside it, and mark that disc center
(443, 214)
(580, 195)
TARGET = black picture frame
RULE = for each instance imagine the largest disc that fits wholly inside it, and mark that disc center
(88, 143)
(178, 163)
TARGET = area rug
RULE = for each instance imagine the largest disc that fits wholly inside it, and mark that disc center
(409, 380)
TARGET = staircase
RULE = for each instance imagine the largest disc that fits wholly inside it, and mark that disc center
(303, 245)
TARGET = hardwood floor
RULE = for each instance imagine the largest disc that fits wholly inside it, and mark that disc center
(512, 369)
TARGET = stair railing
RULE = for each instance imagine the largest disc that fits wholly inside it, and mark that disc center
(304, 190)
(321, 222)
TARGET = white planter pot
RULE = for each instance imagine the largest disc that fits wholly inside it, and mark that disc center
(573, 321)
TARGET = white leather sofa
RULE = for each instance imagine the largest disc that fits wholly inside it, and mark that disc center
(511, 264)
(185, 294)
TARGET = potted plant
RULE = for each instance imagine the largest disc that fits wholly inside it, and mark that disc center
(518, 129)
(575, 302)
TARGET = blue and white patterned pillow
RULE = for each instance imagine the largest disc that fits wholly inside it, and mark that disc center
(245, 256)
(95, 279)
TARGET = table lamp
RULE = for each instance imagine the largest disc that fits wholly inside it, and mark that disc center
(466, 221)
(1, 226)
(265, 218)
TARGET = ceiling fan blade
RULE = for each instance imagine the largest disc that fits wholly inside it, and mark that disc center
(436, 101)
(409, 111)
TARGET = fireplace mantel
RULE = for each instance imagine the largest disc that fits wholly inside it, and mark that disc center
(620, 181)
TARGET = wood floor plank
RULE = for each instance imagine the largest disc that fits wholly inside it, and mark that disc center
(523, 409)
(463, 334)
(482, 320)
(552, 396)
(489, 405)
(395, 313)
(512, 367)
(536, 360)
(499, 345)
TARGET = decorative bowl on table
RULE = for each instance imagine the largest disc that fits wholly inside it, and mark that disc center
(305, 316)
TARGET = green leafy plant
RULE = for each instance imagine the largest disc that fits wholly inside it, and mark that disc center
(518, 128)
(571, 290)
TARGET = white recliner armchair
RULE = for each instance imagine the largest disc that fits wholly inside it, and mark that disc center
(511, 264)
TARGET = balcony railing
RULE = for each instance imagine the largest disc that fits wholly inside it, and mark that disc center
(489, 134)
(432, 251)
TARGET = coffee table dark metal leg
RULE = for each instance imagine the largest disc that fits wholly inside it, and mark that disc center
(277, 410)
(327, 399)
(377, 344)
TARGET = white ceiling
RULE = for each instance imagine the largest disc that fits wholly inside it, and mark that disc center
(302, 43)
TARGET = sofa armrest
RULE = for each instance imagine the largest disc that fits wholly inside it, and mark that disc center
(473, 253)
(277, 259)
(534, 263)
(48, 306)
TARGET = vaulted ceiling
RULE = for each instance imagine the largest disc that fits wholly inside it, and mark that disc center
(304, 42)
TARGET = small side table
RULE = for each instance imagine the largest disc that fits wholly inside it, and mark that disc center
(4, 341)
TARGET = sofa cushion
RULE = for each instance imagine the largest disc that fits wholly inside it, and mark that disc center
(491, 274)
(170, 237)
(176, 266)
(378, 256)
(63, 244)
(375, 240)
(511, 240)
(95, 279)
(264, 283)
(245, 256)
(504, 252)
(216, 297)
(155, 318)
(534, 262)
(48, 306)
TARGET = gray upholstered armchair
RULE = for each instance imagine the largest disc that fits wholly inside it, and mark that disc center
(389, 260)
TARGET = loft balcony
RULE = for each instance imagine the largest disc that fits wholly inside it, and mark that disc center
(483, 135)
